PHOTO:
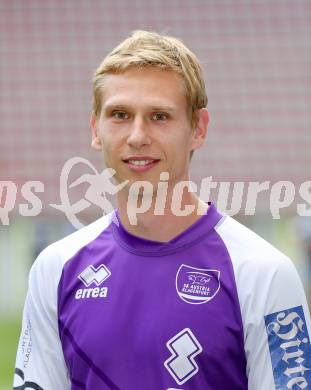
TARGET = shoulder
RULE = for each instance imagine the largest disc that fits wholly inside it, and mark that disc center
(50, 262)
(265, 277)
(247, 249)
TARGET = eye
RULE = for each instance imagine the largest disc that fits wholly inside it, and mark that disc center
(159, 116)
(119, 115)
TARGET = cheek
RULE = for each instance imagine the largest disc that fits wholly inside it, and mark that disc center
(185, 141)
(112, 148)
(107, 140)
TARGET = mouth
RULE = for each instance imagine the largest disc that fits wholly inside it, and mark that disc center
(141, 164)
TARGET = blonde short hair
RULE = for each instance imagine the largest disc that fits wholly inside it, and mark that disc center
(144, 48)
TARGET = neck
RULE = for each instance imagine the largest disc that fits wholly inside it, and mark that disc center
(164, 219)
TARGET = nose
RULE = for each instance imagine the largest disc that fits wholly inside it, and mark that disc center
(138, 135)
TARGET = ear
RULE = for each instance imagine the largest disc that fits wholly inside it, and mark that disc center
(200, 131)
(96, 141)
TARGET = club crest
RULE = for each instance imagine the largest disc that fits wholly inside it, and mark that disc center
(196, 285)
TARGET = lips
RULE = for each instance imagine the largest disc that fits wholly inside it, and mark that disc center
(141, 163)
(140, 160)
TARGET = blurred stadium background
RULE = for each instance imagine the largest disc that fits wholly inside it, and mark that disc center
(257, 61)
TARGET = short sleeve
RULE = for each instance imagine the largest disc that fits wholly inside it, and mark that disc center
(276, 321)
(274, 311)
(40, 362)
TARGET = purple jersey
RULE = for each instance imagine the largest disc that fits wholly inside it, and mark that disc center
(211, 309)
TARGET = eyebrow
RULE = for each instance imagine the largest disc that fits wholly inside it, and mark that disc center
(163, 108)
(111, 107)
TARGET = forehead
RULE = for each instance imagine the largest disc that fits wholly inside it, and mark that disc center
(150, 86)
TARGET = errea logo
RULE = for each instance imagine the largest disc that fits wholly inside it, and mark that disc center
(92, 275)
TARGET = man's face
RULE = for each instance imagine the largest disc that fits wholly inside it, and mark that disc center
(143, 128)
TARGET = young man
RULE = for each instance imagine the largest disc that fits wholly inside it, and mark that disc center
(186, 298)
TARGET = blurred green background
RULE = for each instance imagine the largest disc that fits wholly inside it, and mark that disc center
(9, 330)
(256, 59)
